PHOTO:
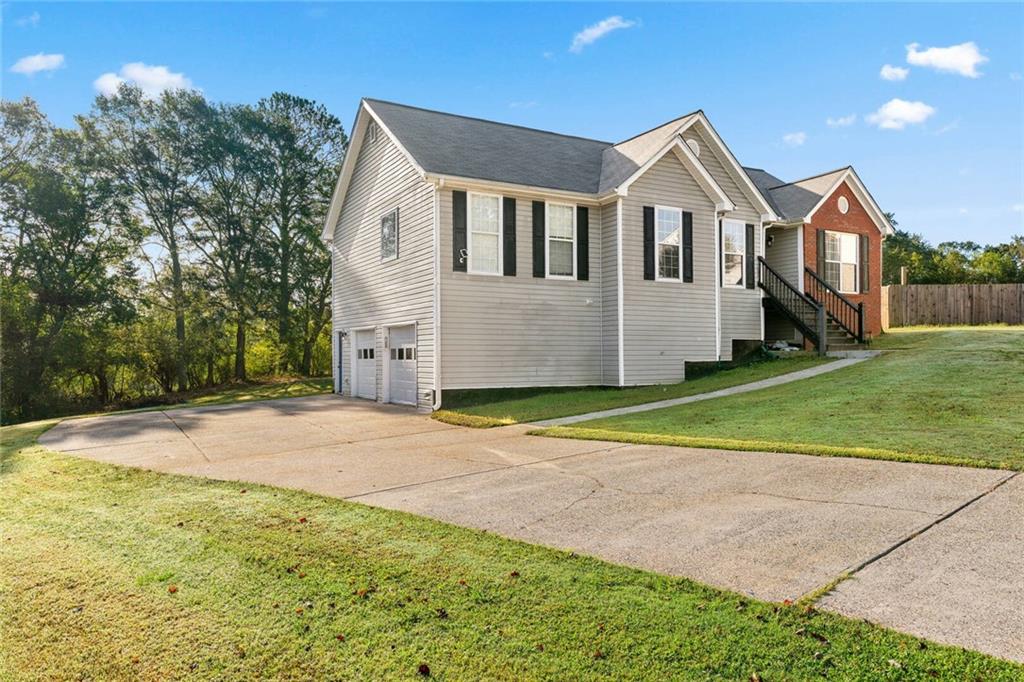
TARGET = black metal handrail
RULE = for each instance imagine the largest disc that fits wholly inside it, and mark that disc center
(845, 313)
(807, 314)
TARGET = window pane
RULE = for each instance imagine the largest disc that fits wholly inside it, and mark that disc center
(559, 221)
(560, 255)
(832, 274)
(669, 226)
(831, 246)
(848, 278)
(484, 252)
(848, 248)
(733, 238)
(668, 261)
(389, 235)
(733, 273)
(484, 214)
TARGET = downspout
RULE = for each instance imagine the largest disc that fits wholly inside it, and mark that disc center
(619, 284)
(437, 295)
(718, 287)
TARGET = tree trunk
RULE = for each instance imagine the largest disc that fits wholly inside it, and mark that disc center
(177, 292)
(240, 348)
(307, 358)
(209, 370)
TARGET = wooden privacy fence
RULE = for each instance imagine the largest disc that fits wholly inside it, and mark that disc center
(909, 304)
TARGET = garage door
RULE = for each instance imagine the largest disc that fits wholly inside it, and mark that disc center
(366, 365)
(402, 367)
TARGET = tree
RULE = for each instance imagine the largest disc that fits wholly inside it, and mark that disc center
(303, 145)
(144, 143)
(74, 239)
(230, 209)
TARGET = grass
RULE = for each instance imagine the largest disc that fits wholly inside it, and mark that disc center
(500, 407)
(952, 395)
(115, 573)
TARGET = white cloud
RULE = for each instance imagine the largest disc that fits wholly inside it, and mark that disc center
(1017, 208)
(963, 59)
(897, 114)
(32, 20)
(893, 73)
(1014, 76)
(597, 31)
(963, 211)
(152, 80)
(795, 139)
(952, 125)
(841, 122)
(38, 62)
(529, 104)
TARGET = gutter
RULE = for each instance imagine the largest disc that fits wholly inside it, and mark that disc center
(437, 295)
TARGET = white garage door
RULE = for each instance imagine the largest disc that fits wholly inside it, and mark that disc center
(402, 367)
(365, 365)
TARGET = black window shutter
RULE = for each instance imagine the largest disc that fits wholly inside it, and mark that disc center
(821, 254)
(538, 239)
(865, 263)
(687, 246)
(648, 242)
(582, 243)
(508, 235)
(749, 262)
(458, 231)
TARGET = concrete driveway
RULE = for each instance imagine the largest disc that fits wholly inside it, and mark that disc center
(773, 526)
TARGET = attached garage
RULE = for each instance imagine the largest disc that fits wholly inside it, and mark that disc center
(401, 370)
(364, 381)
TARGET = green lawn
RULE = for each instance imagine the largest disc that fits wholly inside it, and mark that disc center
(115, 573)
(941, 394)
(504, 406)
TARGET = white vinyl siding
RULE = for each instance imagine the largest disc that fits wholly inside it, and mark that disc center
(367, 292)
(522, 330)
(666, 326)
(784, 257)
(740, 307)
(609, 292)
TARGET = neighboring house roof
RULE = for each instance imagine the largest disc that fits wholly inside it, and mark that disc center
(448, 145)
(460, 146)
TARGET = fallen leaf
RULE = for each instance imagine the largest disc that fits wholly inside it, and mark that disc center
(599, 654)
(302, 519)
(424, 670)
(243, 491)
(442, 614)
(172, 589)
(514, 574)
(340, 637)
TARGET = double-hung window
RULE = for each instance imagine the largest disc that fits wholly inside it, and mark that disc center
(389, 235)
(734, 251)
(842, 261)
(560, 240)
(668, 235)
(484, 243)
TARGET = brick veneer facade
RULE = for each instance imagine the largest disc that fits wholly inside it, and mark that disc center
(857, 221)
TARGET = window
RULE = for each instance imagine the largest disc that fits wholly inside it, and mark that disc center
(844, 205)
(561, 240)
(842, 261)
(734, 251)
(403, 354)
(389, 236)
(373, 131)
(484, 234)
(668, 223)
(364, 353)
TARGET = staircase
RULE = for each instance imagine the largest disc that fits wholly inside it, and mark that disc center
(823, 315)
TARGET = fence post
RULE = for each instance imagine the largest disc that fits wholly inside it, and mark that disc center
(903, 275)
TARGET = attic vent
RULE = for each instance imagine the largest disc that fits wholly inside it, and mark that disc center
(694, 147)
(372, 132)
(844, 205)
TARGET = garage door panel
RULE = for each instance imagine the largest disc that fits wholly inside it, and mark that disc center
(402, 365)
(366, 365)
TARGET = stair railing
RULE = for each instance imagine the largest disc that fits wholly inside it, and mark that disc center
(841, 310)
(808, 315)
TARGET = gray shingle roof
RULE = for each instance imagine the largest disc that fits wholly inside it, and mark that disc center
(792, 200)
(473, 148)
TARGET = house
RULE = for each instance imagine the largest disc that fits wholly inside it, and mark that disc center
(474, 254)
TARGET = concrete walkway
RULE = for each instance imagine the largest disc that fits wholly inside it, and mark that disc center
(732, 390)
(937, 551)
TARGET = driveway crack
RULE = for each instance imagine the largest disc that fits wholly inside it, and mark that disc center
(194, 444)
(842, 502)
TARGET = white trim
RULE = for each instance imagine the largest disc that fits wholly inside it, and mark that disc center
(359, 133)
(743, 231)
(436, 404)
(492, 186)
(863, 196)
(800, 257)
(717, 229)
(697, 169)
(752, 190)
(657, 258)
(757, 269)
(469, 235)
(619, 301)
(547, 241)
(353, 333)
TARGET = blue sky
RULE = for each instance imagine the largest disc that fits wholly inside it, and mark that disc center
(769, 76)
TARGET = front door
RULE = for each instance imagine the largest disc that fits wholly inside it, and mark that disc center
(402, 367)
(365, 365)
